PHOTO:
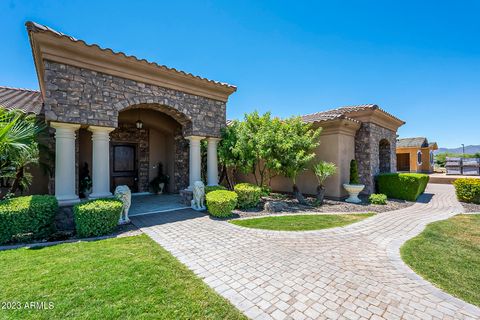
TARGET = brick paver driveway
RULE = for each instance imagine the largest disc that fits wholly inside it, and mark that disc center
(353, 272)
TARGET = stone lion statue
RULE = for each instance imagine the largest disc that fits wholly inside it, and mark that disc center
(198, 196)
(124, 194)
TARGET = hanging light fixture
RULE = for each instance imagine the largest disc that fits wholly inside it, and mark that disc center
(139, 122)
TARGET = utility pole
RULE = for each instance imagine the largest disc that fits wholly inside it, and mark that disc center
(463, 147)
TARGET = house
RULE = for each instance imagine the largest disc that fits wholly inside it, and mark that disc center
(117, 117)
(415, 155)
(366, 133)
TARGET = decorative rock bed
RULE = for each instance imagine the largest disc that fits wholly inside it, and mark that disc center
(280, 203)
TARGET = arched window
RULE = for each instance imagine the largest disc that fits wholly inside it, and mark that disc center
(432, 158)
(419, 157)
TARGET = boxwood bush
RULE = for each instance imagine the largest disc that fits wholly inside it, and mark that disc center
(248, 195)
(220, 203)
(406, 186)
(214, 188)
(378, 198)
(468, 189)
(27, 218)
(97, 217)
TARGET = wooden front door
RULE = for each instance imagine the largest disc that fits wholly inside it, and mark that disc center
(403, 162)
(124, 166)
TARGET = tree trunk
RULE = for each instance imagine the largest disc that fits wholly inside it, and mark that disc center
(16, 182)
(320, 194)
(298, 195)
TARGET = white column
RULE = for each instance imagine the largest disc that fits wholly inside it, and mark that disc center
(212, 161)
(100, 161)
(195, 160)
(65, 162)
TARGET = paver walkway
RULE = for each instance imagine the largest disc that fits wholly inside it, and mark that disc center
(354, 272)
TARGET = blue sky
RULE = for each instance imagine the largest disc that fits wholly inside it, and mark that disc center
(419, 60)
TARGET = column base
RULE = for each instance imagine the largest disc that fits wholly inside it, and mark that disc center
(64, 201)
(100, 195)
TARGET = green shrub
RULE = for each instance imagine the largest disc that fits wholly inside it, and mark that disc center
(97, 217)
(468, 189)
(220, 203)
(354, 178)
(406, 186)
(248, 195)
(27, 218)
(377, 198)
(214, 188)
(266, 191)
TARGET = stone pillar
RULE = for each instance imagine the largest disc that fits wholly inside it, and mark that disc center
(195, 160)
(100, 161)
(212, 162)
(65, 162)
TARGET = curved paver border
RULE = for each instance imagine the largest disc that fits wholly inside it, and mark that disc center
(351, 272)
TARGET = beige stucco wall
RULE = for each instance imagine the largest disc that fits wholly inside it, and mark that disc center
(337, 145)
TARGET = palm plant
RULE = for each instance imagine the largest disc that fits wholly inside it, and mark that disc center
(322, 171)
(18, 147)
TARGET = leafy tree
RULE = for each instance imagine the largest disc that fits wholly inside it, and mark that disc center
(323, 170)
(297, 150)
(229, 156)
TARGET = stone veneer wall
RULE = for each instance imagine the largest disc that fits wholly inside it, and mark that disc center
(128, 133)
(78, 95)
(181, 165)
(367, 152)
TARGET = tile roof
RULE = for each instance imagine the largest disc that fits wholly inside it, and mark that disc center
(26, 100)
(417, 142)
(36, 27)
(340, 113)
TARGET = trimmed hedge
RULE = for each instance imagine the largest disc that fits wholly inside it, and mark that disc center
(378, 198)
(97, 217)
(406, 186)
(27, 218)
(220, 203)
(214, 188)
(248, 195)
(468, 189)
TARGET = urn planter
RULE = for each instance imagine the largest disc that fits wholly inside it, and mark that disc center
(353, 191)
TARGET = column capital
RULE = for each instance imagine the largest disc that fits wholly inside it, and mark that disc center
(195, 138)
(64, 125)
(99, 129)
(213, 139)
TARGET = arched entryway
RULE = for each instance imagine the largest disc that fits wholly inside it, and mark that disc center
(384, 155)
(148, 136)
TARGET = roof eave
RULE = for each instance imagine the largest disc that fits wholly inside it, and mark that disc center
(48, 45)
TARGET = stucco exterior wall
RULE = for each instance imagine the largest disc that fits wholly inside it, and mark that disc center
(78, 95)
(367, 152)
(337, 145)
(425, 166)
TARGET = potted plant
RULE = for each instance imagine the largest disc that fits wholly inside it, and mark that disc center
(354, 187)
(158, 184)
(322, 171)
(85, 182)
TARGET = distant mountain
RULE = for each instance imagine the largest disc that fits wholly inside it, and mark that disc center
(468, 149)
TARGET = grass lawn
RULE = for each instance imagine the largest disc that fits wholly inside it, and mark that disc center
(124, 278)
(447, 253)
(302, 222)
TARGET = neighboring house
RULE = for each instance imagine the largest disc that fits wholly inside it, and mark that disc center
(415, 155)
(121, 116)
(364, 132)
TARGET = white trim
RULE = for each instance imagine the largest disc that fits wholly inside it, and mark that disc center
(158, 211)
(421, 154)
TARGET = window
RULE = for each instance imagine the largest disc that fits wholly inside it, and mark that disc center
(419, 157)
(432, 158)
